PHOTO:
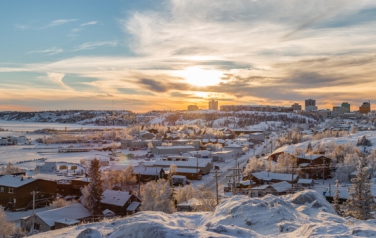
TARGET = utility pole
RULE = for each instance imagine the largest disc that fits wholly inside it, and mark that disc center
(32, 226)
(216, 183)
(235, 174)
(139, 185)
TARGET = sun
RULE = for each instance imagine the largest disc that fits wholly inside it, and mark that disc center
(201, 77)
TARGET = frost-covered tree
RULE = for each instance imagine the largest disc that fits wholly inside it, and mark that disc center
(185, 193)
(285, 163)
(363, 141)
(336, 205)
(157, 196)
(254, 165)
(361, 200)
(309, 148)
(61, 203)
(92, 195)
(207, 199)
(6, 228)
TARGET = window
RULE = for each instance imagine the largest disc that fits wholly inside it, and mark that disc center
(2, 189)
(10, 190)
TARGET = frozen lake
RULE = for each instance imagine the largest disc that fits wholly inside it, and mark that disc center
(19, 126)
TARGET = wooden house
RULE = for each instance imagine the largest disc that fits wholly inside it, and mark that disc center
(119, 202)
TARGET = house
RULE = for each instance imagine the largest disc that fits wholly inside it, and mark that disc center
(189, 206)
(261, 178)
(190, 163)
(185, 142)
(146, 174)
(257, 136)
(16, 191)
(192, 174)
(276, 189)
(57, 218)
(222, 156)
(236, 149)
(314, 166)
(309, 183)
(166, 150)
(119, 202)
(178, 180)
(139, 144)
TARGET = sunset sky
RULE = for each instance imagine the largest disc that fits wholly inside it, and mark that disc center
(148, 54)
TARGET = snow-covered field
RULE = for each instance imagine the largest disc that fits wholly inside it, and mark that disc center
(305, 214)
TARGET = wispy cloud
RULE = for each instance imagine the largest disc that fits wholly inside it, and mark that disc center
(49, 51)
(89, 23)
(59, 22)
(57, 78)
(93, 45)
(20, 27)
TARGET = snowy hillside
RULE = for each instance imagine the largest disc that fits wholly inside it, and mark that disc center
(305, 214)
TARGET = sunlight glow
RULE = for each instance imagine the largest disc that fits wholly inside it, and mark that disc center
(201, 77)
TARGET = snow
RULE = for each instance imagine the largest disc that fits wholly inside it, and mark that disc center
(305, 214)
(15, 181)
(270, 176)
(133, 206)
(116, 198)
(75, 211)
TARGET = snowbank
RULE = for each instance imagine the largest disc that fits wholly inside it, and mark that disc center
(305, 214)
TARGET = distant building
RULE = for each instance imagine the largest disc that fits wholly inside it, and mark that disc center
(310, 105)
(192, 108)
(365, 107)
(346, 105)
(213, 105)
(339, 111)
(296, 107)
(256, 108)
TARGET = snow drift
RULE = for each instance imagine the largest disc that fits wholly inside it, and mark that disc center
(304, 214)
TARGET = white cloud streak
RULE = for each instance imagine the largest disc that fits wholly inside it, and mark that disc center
(89, 23)
(93, 45)
(50, 51)
(59, 22)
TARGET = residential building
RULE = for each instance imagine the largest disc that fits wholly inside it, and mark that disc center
(16, 191)
(365, 107)
(138, 144)
(145, 174)
(119, 202)
(172, 150)
(310, 105)
(263, 177)
(57, 218)
(277, 189)
(296, 107)
(192, 108)
(213, 105)
(186, 162)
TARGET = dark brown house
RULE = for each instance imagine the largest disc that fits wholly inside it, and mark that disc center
(16, 191)
(121, 203)
(264, 177)
(314, 166)
(146, 174)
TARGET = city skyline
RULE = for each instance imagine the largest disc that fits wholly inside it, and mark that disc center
(148, 55)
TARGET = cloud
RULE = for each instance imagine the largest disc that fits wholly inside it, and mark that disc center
(20, 27)
(89, 23)
(93, 45)
(57, 78)
(50, 51)
(59, 22)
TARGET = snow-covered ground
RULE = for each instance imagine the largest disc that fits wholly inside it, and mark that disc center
(305, 214)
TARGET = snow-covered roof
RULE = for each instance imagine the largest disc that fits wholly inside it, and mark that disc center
(116, 198)
(146, 170)
(189, 163)
(68, 221)
(133, 206)
(175, 147)
(282, 186)
(183, 170)
(76, 211)
(305, 181)
(263, 175)
(15, 181)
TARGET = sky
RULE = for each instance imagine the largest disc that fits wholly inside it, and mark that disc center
(165, 55)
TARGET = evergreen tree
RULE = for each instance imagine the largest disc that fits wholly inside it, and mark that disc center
(336, 205)
(359, 203)
(94, 193)
(309, 147)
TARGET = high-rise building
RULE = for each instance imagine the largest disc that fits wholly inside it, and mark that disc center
(346, 105)
(310, 105)
(213, 105)
(365, 108)
(192, 108)
(296, 107)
